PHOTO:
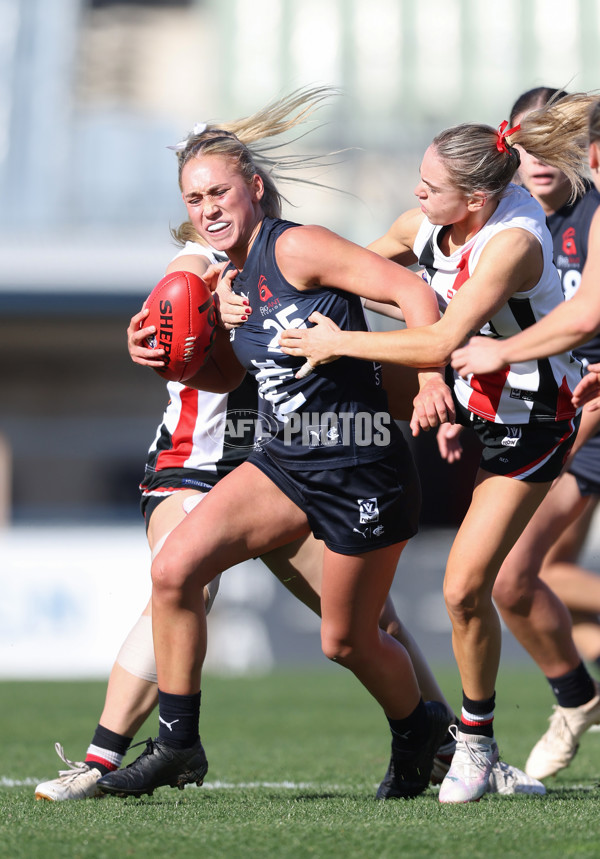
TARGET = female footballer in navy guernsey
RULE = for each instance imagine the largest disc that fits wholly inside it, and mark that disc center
(335, 418)
(362, 500)
(190, 453)
(485, 248)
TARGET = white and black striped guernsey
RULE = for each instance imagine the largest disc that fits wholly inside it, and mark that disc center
(526, 392)
(198, 440)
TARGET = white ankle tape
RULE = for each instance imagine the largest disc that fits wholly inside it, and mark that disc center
(137, 651)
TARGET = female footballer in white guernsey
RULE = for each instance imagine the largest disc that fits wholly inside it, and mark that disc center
(483, 245)
(543, 563)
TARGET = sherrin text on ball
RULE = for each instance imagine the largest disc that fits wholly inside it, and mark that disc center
(181, 309)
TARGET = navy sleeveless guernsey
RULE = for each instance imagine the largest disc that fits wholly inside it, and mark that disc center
(338, 415)
(570, 228)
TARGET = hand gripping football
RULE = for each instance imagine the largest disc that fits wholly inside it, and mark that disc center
(183, 313)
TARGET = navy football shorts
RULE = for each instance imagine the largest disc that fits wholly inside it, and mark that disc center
(354, 509)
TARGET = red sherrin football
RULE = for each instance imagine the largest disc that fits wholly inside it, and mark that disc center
(182, 311)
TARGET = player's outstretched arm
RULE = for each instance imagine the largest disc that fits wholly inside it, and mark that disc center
(568, 325)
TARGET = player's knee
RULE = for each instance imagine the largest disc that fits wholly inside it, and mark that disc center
(463, 599)
(335, 647)
(342, 654)
(511, 597)
(169, 576)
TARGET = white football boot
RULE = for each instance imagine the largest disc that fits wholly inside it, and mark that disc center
(508, 780)
(78, 782)
(504, 779)
(468, 777)
(557, 747)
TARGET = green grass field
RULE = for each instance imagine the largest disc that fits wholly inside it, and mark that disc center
(295, 759)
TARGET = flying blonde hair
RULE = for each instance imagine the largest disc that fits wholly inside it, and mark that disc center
(242, 140)
(480, 158)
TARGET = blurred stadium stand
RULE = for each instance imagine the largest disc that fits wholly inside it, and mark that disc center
(90, 95)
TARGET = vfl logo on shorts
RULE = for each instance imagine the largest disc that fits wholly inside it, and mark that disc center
(512, 438)
(368, 510)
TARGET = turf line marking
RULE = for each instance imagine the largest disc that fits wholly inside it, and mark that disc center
(24, 782)
(219, 785)
(272, 785)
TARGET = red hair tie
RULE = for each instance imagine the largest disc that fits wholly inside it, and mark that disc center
(503, 133)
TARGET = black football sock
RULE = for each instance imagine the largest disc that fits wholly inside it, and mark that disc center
(107, 749)
(574, 688)
(477, 717)
(410, 733)
(178, 719)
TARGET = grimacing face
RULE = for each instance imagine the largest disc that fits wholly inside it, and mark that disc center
(221, 205)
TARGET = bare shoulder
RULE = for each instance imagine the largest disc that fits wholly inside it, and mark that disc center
(312, 256)
(397, 243)
(514, 241)
(298, 239)
(406, 226)
(513, 255)
(410, 220)
(304, 253)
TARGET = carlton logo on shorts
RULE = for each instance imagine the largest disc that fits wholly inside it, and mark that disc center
(512, 438)
(368, 510)
(323, 435)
